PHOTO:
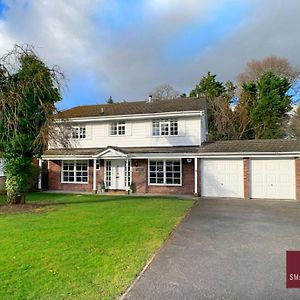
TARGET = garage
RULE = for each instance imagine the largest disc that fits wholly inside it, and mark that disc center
(272, 178)
(222, 178)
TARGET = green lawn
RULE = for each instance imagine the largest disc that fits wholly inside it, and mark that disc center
(81, 246)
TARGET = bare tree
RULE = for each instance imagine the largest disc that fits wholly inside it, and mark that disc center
(164, 92)
(279, 66)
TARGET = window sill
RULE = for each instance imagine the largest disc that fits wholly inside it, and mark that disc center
(66, 182)
(163, 184)
(166, 136)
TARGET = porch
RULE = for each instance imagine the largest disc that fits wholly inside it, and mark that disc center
(114, 170)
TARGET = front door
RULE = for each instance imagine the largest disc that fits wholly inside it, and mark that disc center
(118, 174)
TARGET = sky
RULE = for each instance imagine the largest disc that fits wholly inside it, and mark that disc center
(126, 48)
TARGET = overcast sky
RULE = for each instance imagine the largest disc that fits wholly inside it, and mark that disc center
(125, 48)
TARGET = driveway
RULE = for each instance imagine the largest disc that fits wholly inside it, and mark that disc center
(226, 249)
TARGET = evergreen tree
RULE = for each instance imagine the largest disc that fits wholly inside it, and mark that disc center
(269, 111)
(110, 100)
(28, 93)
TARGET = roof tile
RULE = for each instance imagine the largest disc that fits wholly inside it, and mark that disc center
(132, 108)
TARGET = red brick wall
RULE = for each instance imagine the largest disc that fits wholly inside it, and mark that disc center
(297, 168)
(246, 164)
(140, 175)
(54, 179)
(140, 179)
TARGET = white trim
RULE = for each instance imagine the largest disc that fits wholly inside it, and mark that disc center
(195, 175)
(164, 171)
(74, 182)
(134, 116)
(40, 174)
(71, 157)
(174, 155)
(126, 175)
(94, 174)
(119, 155)
(243, 155)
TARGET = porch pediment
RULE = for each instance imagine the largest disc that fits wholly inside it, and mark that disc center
(111, 152)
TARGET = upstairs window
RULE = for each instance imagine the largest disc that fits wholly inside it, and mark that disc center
(164, 127)
(79, 132)
(117, 128)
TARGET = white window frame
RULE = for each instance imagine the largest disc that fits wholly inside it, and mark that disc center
(164, 123)
(120, 127)
(107, 173)
(164, 172)
(75, 170)
(78, 132)
(98, 166)
(128, 173)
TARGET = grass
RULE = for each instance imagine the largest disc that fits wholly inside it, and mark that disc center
(81, 246)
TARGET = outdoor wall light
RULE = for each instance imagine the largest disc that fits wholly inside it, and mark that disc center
(189, 160)
(136, 163)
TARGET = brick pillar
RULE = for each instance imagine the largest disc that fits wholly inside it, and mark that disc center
(246, 178)
(140, 175)
(297, 169)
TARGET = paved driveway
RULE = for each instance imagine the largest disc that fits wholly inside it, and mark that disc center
(226, 249)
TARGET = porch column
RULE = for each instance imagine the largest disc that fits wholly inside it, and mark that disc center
(126, 176)
(94, 175)
(196, 176)
(40, 174)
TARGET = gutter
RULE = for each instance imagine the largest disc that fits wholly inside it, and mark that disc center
(133, 117)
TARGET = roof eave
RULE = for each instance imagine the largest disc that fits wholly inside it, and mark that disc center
(134, 116)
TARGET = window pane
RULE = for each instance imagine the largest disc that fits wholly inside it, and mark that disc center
(160, 180)
(155, 128)
(113, 130)
(165, 129)
(152, 180)
(169, 181)
(174, 128)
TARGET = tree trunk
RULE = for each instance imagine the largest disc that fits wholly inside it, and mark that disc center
(13, 198)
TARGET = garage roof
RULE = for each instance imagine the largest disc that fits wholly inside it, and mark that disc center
(249, 146)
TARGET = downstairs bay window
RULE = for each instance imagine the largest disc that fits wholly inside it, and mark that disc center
(164, 172)
(75, 171)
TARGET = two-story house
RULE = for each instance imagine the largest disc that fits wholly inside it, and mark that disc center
(151, 144)
(159, 147)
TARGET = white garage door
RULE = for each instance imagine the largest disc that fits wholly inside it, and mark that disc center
(272, 178)
(222, 178)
